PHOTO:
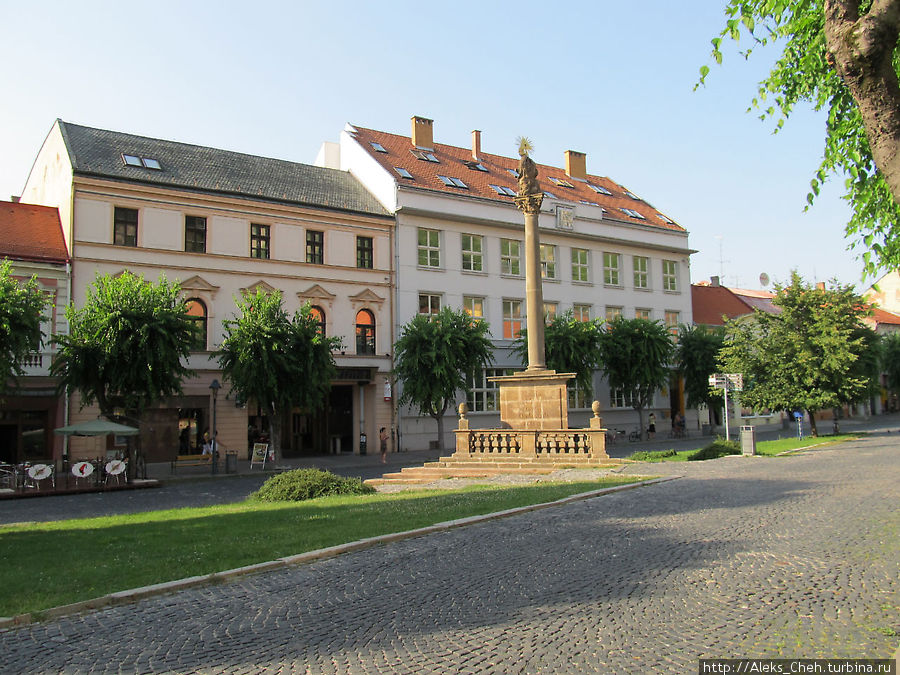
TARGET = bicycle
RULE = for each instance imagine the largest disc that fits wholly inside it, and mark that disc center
(635, 435)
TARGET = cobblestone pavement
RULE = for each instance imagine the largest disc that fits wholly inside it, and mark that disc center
(743, 557)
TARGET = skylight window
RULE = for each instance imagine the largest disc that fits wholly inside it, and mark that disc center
(561, 182)
(632, 213)
(475, 166)
(403, 172)
(141, 162)
(425, 156)
(632, 195)
(665, 219)
(503, 190)
(377, 147)
(450, 181)
(585, 201)
(547, 193)
(599, 189)
(514, 172)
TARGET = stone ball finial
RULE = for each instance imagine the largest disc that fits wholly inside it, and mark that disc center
(595, 406)
(463, 409)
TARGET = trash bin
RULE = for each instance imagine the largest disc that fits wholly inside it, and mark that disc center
(748, 440)
(231, 461)
(362, 444)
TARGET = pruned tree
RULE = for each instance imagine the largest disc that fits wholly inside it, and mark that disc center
(806, 357)
(434, 357)
(126, 348)
(21, 308)
(890, 360)
(843, 57)
(696, 355)
(570, 346)
(634, 356)
(276, 360)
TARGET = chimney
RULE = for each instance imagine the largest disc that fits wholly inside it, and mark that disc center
(423, 133)
(714, 282)
(14, 199)
(476, 144)
(576, 165)
(820, 286)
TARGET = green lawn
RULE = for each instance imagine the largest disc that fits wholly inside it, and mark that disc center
(45, 565)
(767, 448)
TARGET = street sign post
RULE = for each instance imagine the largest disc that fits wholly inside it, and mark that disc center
(726, 382)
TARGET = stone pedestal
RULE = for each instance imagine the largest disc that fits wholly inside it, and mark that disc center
(534, 400)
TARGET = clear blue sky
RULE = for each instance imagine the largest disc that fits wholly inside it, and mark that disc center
(611, 79)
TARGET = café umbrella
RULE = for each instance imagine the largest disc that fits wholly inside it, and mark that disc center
(97, 427)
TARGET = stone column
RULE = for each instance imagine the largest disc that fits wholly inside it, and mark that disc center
(530, 205)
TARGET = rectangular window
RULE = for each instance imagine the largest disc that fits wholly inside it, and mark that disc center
(510, 257)
(578, 397)
(259, 241)
(512, 319)
(364, 253)
(580, 264)
(672, 321)
(429, 247)
(620, 399)
(125, 225)
(551, 309)
(581, 312)
(473, 306)
(641, 272)
(548, 261)
(611, 269)
(641, 313)
(670, 275)
(612, 313)
(429, 303)
(195, 234)
(472, 253)
(315, 247)
(484, 395)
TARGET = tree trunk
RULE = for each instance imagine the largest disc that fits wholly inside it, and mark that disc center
(275, 433)
(861, 48)
(642, 431)
(439, 418)
(812, 423)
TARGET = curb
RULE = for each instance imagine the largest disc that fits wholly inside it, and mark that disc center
(135, 594)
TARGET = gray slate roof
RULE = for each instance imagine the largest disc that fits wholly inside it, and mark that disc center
(97, 152)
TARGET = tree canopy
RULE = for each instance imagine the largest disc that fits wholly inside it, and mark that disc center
(127, 345)
(21, 306)
(805, 357)
(696, 354)
(570, 346)
(276, 360)
(434, 357)
(634, 355)
(890, 360)
(842, 57)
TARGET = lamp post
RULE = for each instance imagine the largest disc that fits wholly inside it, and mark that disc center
(214, 386)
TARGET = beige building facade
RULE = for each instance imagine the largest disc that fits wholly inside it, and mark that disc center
(222, 223)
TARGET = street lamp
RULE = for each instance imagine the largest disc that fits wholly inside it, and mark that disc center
(214, 386)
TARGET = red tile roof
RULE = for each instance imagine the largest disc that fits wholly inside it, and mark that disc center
(30, 232)
(882, 316)
(452, 163)
(713, 304)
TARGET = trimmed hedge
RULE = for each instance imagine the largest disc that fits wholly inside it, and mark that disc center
(716, 449)
(301, 484)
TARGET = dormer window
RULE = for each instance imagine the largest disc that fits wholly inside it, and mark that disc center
(425, 156)
(403, 173)
(599, 189)
(450, 181)
(377, 147)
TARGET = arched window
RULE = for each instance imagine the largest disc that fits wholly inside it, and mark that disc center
(319, 314)
(196, 310)
(365, 332)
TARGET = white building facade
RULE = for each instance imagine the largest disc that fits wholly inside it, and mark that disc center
(460, 243)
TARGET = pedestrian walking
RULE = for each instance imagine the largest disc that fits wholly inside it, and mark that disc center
(651, 431)
(383, 439)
